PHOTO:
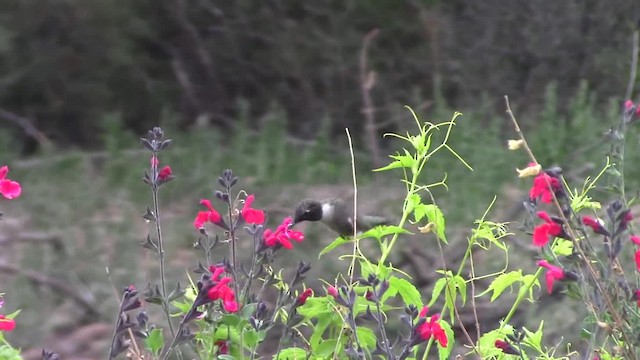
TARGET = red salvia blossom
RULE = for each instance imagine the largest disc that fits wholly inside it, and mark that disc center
(223, 347)
(331, 290)
(544, 186)
(635, 239)
(8, 188)
(221, 290)
(208, 216)
(224, 293)
(250, 215)
(637, 258)
(636, 297)
(7, 324)
(542, 232)
(165, 173)
(506, 347)
(431, 328)
(596, 225)
(282, 235)
(553, 273)
(628, 106)
(625, 219)
(302, 298)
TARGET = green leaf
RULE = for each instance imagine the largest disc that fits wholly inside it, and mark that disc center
(250, 338)
(435, 215)
(226, 357)
(379, 232)
(527, 279)
(9, 353)
(407, 291)
(437, 289)
(324, 320)
(499, 284)
(293, 353)
(401, 161)
(326, 348)
(461, 286)
(337, 242)
(155, 341)
(367, 337)
(562, 247)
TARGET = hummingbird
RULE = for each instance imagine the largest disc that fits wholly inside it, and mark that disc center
(336, 215)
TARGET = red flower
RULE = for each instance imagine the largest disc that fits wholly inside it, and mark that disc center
(635, 239)
(8, 188)
(250, 215)
(331, 290)
(628, 104)
(625, 219)
(302, 298)
(212, 216)
(431, 328)
(506, 347)
(222, 291)
(596, 225)
(7, 324)
(542, 232)
(553, 273)
(283, 235)
(165, 173)
(637, 257)
(636, 297)
(544, 186)
(223, 347)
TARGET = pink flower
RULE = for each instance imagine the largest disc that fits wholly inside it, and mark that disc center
(553, 273)
(165, 173)
(544, 186)
(8, 188)
(595, 224)
(331, 290)
(302, 299)
(208, 216)
(506, 347)
(637, 258)
(7, 324)
(635, 239)
(431, 328)
(542, 232)
(282, 235)
(250, 215)
(625, 219)
(628, 105)
(223, 347)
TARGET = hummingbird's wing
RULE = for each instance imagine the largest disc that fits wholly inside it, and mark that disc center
(367, 222)
(341, 220)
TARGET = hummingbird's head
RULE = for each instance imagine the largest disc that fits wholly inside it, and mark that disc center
(308, 210)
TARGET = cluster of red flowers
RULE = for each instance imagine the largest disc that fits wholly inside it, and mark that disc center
(429, 328)
(544, 187)
(551, 227)
(282, 235)
(221, 289)
(8, 188)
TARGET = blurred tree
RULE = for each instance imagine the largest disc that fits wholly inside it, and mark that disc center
(64, 64)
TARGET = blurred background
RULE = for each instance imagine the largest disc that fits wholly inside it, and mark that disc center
(267, 88)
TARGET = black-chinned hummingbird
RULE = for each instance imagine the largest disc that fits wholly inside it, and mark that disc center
(337, 215)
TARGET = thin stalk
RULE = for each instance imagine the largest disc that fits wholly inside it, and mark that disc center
(165, 305)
